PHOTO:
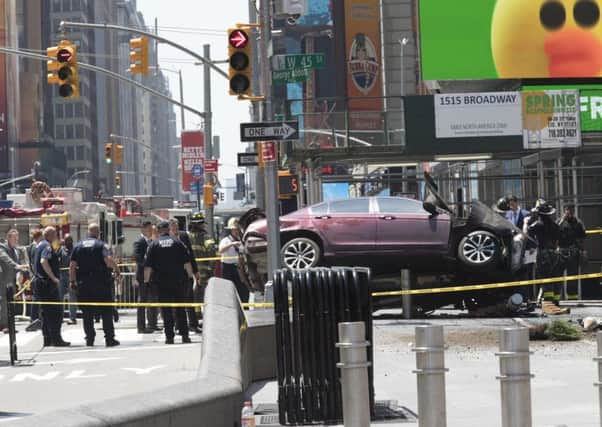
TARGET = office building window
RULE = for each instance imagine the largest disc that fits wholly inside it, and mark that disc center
(69, 132)
(58, 111)
(69, 110)
(79, 131)
(79, 109)
(76, 5)
(59, 132)
(56, 5)
(79, 152)
(66, 5)
(70, 153)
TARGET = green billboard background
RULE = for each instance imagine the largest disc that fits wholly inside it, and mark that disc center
(455, 39)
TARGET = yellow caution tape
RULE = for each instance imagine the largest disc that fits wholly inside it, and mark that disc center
(464, 288)
(596, 231)
(138, 304)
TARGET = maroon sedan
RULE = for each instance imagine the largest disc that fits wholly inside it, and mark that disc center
(366, 231)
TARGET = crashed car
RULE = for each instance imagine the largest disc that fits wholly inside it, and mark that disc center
(388, 234)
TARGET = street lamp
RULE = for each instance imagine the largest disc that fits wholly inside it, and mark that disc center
(179, 73)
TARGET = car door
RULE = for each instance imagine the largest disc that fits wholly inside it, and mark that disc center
(403, 225)
(348, 226)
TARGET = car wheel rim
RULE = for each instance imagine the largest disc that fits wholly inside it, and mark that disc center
(479, 248)
(299, 255)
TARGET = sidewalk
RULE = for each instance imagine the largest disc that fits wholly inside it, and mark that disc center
(562, 390)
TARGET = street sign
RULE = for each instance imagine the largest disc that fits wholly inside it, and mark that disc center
(268, 151)
(290, 76)
(265, 131)
(211, 165)
(310, 61)
(197, 171)
(248, 159)
(196, 186)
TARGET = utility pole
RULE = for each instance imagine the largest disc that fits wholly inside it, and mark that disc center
(207, 127)
(255, 117)
(271, 167)
(182, 99)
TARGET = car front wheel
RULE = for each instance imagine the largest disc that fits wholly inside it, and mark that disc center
(479, 250)
(300, 253)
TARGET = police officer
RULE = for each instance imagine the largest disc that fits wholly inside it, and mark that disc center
(203, 246)
(541, 225)
(166, 260)
(572, 236)
(90, 275)
(46, 276)
(182, 236)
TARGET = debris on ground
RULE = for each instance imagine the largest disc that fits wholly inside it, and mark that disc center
(556, 330)
(589, 324)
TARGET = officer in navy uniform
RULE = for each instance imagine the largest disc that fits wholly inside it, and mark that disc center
(167, 260)
(90, 274)
(47, 272)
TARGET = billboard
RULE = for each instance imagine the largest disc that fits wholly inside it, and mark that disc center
(363, 55)
(192, 153)
(591, 110)
(478, 114)
(489, 39)
(551, 119)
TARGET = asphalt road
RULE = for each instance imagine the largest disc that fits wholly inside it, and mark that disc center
(48, 379)
(562, 390)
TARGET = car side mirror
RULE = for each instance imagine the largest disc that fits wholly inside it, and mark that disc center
(430, 208)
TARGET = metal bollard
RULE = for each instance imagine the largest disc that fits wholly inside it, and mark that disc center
(268, 292)
(599, 383)
(406, 300)
(430, 370)
(515, 378)
(354, 374)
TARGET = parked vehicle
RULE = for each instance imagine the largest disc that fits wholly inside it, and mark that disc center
(388, 234)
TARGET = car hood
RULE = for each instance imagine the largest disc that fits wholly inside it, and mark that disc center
(481, 214)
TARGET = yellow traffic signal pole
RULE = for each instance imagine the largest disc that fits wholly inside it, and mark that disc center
(208, 65)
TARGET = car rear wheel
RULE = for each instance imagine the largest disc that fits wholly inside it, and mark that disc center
(300, 253)
(479, 249)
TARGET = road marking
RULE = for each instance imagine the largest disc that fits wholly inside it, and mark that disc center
(80, 375)
(146, 371)
(26, 375)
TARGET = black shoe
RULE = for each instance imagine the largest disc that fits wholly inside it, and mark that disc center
(90, 343)
(196, 330)
(146, 331)
(168, 340)
(60, 343)
(112, 342)
(186, 340)
(36, 325)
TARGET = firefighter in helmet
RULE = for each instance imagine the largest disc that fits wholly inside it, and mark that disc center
(203, 246)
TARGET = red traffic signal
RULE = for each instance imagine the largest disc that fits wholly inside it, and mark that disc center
(64, 55)
(238, 39)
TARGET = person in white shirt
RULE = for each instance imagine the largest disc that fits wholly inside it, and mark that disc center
(229, 249)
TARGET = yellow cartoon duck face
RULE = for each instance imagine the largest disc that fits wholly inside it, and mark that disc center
(547, 38)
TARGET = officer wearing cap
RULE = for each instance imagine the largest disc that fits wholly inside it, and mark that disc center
(166, 261)
(90, 275)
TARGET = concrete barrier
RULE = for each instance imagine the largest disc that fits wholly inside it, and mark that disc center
(235, 352)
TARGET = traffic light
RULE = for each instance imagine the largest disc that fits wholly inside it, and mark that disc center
(109, 153)
(240, 54)
(62, 68)
(117, 182)
(288, 184)
(139, 55)
(118, 154)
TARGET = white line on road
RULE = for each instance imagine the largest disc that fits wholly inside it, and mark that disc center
(105, 349)
(78, 361)
(140, 371)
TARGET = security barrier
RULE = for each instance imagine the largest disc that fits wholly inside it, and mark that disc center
(309, 388)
